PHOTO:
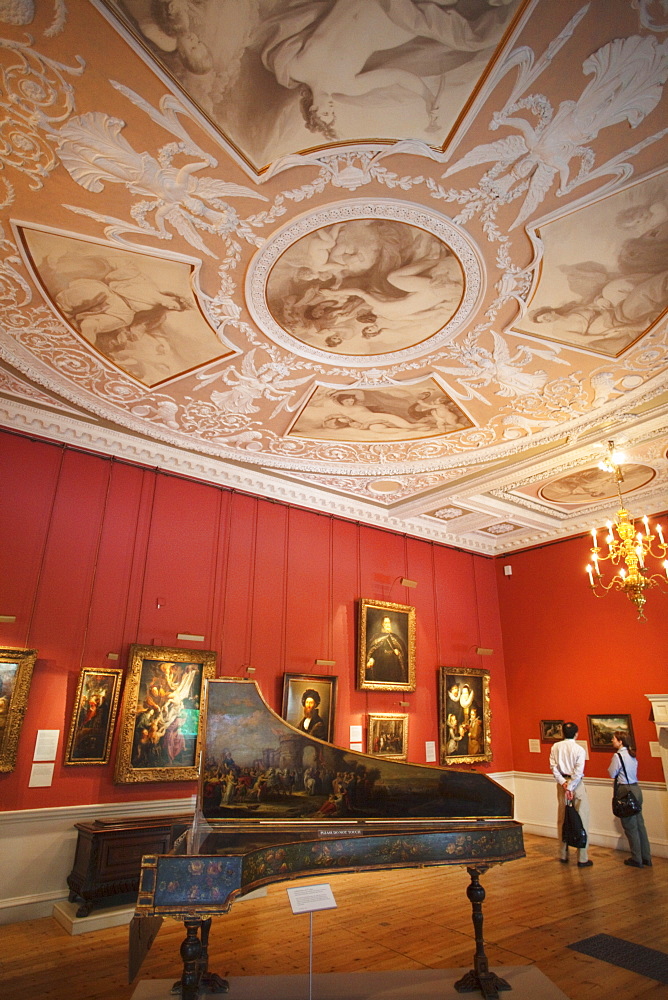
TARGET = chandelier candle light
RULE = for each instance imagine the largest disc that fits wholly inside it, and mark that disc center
(631, 548)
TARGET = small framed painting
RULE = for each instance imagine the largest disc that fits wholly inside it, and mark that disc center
(16, 666)
(551, 730)
(386, 646)
(160, 717)
(387, 735)
(308, 704)
(602, 727)
(93, 716)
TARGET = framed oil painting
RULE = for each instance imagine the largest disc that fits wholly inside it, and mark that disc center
(258, 769)
(465, 716)
(601, 728)
(93, 716)
(308, 704)
(386, 659)
(160, 717)
(16, 666)
(387, 735)
(551, 730)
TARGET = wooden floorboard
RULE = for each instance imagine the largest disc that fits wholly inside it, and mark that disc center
(409, 919)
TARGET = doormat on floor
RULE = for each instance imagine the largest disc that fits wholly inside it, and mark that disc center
(634, 957)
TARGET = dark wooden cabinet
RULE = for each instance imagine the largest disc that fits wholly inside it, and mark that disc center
(109, 852)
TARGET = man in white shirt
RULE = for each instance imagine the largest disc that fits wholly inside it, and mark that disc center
(567, 761)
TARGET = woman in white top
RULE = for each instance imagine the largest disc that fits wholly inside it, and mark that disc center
(624, 760)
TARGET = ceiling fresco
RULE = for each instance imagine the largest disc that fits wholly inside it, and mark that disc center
(401, 261)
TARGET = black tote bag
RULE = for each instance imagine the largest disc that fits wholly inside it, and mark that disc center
(573, 833)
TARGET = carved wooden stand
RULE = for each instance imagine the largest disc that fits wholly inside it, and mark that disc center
(479, 979)
(195, 954)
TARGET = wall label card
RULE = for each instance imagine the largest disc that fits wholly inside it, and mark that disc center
(308, 898)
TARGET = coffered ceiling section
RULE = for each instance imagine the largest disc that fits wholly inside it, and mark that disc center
(399, 260)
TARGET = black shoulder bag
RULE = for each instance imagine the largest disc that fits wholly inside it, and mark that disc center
(624, 805)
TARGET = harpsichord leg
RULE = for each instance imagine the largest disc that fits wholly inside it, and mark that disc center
(479, 979)
(196, 979)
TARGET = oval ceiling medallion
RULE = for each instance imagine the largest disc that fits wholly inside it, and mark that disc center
(587, 485)
(385, 486)
(368, 282)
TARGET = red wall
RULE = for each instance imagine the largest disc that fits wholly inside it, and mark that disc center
(97, 555)
(569, 655)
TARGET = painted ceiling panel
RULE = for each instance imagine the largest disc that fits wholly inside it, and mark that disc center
(400, 261)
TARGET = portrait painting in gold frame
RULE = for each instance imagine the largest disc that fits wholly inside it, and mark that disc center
(93, 716)
(386, 646)
(465, 716)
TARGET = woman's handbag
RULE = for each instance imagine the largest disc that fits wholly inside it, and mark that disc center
(624, 805)
(572, 832)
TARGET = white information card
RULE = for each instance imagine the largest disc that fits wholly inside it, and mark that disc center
(307, 898)
(41, 775)
(46, 744)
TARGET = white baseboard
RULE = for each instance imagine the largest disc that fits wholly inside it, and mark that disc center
(38, 847)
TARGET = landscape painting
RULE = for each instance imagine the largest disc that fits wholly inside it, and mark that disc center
(390, 413)
(365, 286)
(137, 310)
(261, 71)
(606, 302)
(602, 727)
(257, 767)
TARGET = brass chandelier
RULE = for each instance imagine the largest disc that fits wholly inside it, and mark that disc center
(631, 550)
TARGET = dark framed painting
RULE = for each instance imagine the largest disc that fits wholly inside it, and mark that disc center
(386, 646)
(601, 728)
(93, 716)
(387, 735)
(16, 667)
(465, 717)
(160, 716)
(308, 704)
(551, 730)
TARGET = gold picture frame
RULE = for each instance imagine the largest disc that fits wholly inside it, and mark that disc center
(386, 658)
(161, 724)
(387, 735)
(465, 716)
(16, 667)
(93, 716)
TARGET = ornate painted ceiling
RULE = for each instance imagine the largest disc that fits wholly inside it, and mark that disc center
(401, 261)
